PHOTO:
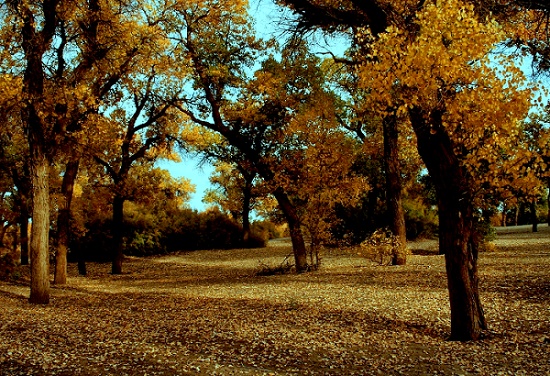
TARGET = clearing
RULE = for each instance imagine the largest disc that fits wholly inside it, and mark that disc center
(206, 312)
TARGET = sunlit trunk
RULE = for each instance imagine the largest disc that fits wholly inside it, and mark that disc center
(294, 225)
(39, 252)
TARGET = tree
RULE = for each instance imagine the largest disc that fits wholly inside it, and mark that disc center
(71, 56)
(36, 38)
(358, 120)
(420, 62)
(155, 212)
(142, 124)
(317, 172)
(536, 136)
(14, 157)
(219, 45)
(234, 191)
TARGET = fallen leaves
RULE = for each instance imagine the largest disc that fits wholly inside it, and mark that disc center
(208, 313)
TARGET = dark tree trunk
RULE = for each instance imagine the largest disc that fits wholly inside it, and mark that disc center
(63, 223)
(24, 238)
(393, 188)
(3, 230)
(15, 242)
(548, 213)
(82, 265)
(294, 225)
(534, 218)
(457, 234)
(118, 241)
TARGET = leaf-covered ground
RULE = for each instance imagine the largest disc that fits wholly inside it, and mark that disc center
(208, 313)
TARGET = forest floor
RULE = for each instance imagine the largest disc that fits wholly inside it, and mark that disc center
(209, 313)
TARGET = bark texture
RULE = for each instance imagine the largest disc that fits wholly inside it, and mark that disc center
(118, 240)
(35, 42)
(39, 255)
(393, 188)
(63, 223)
(458, 237)
(294, 224)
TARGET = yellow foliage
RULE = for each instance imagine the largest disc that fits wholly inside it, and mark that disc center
(446, 65)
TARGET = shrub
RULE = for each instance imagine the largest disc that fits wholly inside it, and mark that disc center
(268, 230)
(8, 266)
(148, 234)
(255, 241)
(420, 221)
(381, 246)
(266, 270)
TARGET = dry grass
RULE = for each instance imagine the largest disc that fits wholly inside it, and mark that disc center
(208, 313)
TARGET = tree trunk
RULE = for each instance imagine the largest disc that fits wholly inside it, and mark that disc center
(82, 266)
(63, 222)
(548, 213)
(35, 43)
(294, 225)
(457, 234)
(15, 241)
(460, 241)
(534, 217)
(3, 230)
(40, 274)
(393, 188)
(118, 241)
(247, 199)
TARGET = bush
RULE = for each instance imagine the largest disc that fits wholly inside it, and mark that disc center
(381, 247)
(420, 221)
(207, 230)
(281, 269)
(356, 223)
(146, 234)
(269, 230)
(8, 266)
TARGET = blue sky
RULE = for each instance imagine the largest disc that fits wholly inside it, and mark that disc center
(267, 15)
(191, 168)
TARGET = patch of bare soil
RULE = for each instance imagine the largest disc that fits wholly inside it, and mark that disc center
(208, 313)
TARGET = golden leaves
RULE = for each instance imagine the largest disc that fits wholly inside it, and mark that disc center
(447, 65)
